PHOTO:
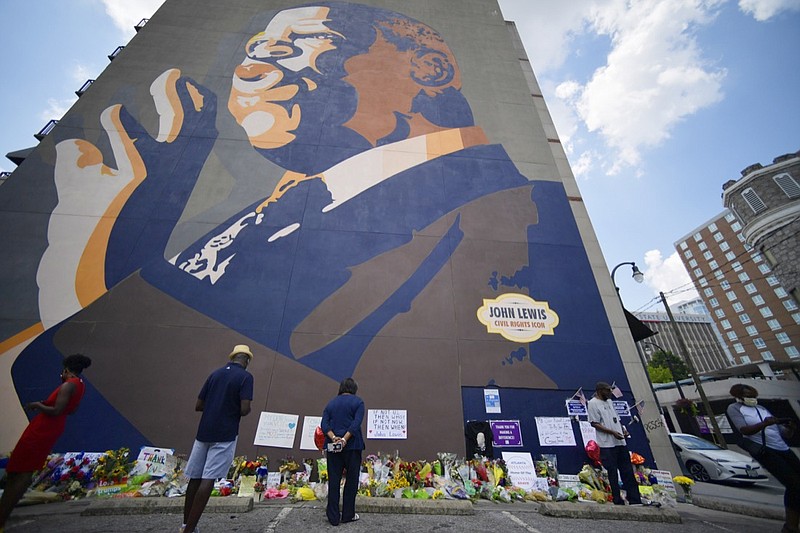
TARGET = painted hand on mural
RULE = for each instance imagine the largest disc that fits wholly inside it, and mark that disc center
(80, 262)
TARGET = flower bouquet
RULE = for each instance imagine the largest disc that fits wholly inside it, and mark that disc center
(686, 484)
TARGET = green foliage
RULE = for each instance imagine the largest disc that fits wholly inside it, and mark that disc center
(659, 374)
(674, 364)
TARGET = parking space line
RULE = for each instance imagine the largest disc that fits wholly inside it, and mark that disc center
(521, 523)
(278, 519)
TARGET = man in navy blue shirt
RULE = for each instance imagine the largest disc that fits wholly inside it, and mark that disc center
(223, 400)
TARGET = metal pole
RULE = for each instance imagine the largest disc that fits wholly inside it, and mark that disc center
(716, 433)
(669, 365)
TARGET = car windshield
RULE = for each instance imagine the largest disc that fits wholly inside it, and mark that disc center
(694, 443)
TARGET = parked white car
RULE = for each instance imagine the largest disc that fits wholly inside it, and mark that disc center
(705, 461)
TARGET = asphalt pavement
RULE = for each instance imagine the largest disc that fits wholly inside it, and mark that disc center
(757, 508)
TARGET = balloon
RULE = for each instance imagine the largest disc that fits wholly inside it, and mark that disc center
(319, 438)
(593, 451)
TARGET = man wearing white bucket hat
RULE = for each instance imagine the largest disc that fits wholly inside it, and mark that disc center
(223, 400)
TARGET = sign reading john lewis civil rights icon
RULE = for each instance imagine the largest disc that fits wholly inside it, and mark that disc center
(517, 317)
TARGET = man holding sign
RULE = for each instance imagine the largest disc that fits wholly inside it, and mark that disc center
(611, 435)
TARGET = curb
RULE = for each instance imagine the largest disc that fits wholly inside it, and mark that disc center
(609, 512)
(410, 506)
(771, 512)
(129, 506)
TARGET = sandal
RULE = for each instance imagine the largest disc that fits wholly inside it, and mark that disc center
(355, 517)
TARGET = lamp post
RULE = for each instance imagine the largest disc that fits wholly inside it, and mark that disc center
(637, 275)
(669, 365)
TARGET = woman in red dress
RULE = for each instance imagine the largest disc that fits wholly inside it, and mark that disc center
(37, 441)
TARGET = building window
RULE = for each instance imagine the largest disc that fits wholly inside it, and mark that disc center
(758, 299)
(750, 288)
(718, 237)
(724, 246)
(744, 277)
(773, 324)
(698, 272)
(713, 302)
(783, 338)
(745, 360)
(789, 305)
(772, 280)
(702, 246)
(687, 254)
(730, 217)
(720, 313)
(796, 318)
(726, 324)
(737, 266)
(712, 227)
(683, 245)
(702, 282)
(767, 356)
(792, 352)
(698, 237)
(764, 268)
(760, 344)
(738, 307)
(753, 200)
(707, 255)
(745, 318)
(730, 256)
(708, 292)
(693, 263)
(752, 331)
(732, 336)
(719, 275)
(738, 347)
(713, 264)
(725, 285)
(787, 185)
(766, 312)
(780, 292)
(756, 257)
(736, 226)
(731, 296)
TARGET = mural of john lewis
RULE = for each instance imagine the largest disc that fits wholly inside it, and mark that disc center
(394, 219)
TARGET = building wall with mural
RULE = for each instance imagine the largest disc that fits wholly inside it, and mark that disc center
(350, 190)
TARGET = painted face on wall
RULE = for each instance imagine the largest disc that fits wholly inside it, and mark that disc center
(281, 66)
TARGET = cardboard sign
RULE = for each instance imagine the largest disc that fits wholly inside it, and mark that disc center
(273, 479)
(310, 424)
(276, 429)
(387, 424)
(587, 432)
(521, 471)
(506, 433)
(555, 431)
(155, 461)
(664, 478)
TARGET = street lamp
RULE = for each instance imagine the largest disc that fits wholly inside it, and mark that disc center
(669, 365)
(637, 275)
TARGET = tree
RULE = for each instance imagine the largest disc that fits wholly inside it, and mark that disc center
(659, 374)
(676, 366)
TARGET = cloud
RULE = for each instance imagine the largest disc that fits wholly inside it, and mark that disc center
(127, 13)
(666, 275)
(56, 108)
(762, 10)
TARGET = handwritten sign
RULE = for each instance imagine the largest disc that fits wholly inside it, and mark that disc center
(587, 432)
(555, 431)
(664, 478)
(506, 432)
(566, 481)
(273, 479)
(276, 429)
(155, 461)
(310, 424)
(491, 399)
(576, 408)
(387, 424)
(520, 469)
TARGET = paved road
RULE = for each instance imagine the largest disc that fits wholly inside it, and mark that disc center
(284, 517)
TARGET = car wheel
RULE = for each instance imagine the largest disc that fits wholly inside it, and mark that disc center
(698, 471)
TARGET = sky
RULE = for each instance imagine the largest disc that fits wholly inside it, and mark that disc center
(656, 102)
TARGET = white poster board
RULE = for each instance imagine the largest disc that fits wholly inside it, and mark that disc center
(555, 431)
(310, 424)
(276, 429)
(587, 432)
(155, 461)
(521, 470)
(664, 478)
(491, 399)
(387, 424)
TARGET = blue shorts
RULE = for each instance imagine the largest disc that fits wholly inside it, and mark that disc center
(210, 460)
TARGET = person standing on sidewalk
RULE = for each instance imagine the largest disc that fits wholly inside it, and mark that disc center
(37, 441)
(341, 423)
(224, 399)
(611, 435)
(763, 437)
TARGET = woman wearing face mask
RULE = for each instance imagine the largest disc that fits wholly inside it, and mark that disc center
(763, 438)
